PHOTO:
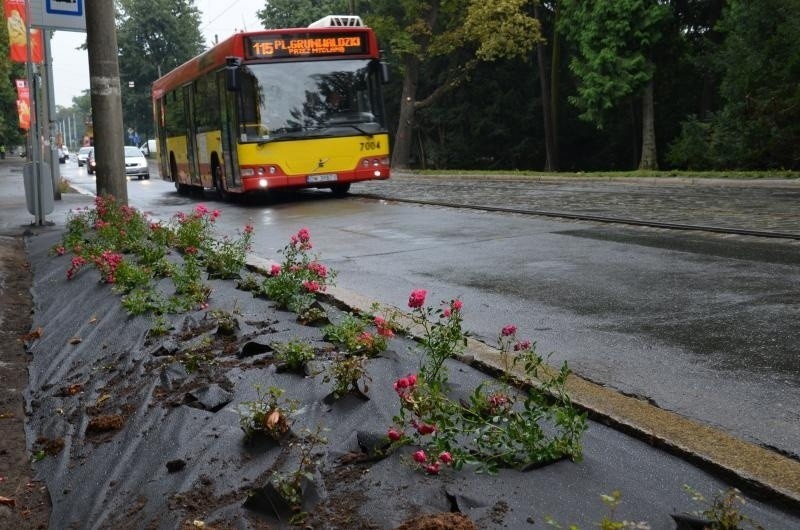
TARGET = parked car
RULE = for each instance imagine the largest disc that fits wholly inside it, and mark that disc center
(91, 163)
(149, 148)
(83, 152)
(136, 163)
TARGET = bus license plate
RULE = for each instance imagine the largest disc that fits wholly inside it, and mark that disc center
(327, 177)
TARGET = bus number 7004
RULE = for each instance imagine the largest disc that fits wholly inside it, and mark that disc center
(369, 146)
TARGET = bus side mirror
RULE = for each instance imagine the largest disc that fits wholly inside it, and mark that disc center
(232, 73)
(384, 72)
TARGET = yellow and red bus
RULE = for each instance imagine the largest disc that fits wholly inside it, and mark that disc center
(276, 109)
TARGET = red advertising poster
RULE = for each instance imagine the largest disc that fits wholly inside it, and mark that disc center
(17, 34)
(23, 104)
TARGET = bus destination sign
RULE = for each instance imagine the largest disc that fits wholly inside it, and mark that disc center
(304, 45)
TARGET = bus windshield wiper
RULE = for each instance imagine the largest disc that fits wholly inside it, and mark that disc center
(359, 129)
(284, 133)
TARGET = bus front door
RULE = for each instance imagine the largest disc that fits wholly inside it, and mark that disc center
(228, 133)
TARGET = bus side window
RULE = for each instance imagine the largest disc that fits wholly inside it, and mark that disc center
(249, 108)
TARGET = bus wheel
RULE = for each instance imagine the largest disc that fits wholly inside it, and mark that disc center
(216, 172)
(340, 190)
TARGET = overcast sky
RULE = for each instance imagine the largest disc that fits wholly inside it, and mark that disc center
(71, 66)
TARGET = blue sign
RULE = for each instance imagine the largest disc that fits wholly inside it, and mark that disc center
(68, 15)
(64, 7)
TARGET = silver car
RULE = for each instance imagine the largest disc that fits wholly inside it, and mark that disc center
(83, 152)
(136, 163)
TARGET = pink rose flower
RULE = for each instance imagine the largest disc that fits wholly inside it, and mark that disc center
(394, 434)
(311, 286)
(446, 458)
(426, 428)
(509, 330)
(417, 298)
(457, 305)
(275, 270)
(419, 456)
(522, 345)
(401, 383)
(432, 468)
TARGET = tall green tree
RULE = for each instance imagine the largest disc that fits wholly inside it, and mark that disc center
(759, 65)
(615, 41)
(301, 13)
(154, 36)
(458, 34)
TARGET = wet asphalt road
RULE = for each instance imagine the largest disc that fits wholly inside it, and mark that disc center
(701, 324)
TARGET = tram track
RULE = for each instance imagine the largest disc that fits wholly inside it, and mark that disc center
(590, 217)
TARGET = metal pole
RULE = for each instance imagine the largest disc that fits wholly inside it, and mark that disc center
(34, 154)
(55, 174)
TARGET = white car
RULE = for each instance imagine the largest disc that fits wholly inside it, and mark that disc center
(136, 163)
(83, 153)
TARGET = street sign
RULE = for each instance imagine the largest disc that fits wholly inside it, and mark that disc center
(68, 15)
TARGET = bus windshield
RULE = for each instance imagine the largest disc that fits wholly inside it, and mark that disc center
(310, 99)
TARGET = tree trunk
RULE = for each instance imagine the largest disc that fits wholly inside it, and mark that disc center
(545, 95)
(649, 159)
(555, 89)
(101, 42)
(401, 152)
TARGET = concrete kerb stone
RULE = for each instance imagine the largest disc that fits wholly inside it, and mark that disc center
(748, 466)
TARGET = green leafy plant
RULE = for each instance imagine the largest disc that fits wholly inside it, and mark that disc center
(352, 334)
(193, 231)
(346, 372)
(290, 485)
(129, 276)
(498, 426)
(269, 413)
(160, 327)
(723, 510)
(189, 286)
(294, 283)
(197, 355)
(130, 252)
(249, 282)
(443, 335)
(294, 354)
(609, 522)
(226, 322)
(225, 258)
(140, 301)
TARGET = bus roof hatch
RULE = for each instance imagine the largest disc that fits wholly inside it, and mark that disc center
(337, 21)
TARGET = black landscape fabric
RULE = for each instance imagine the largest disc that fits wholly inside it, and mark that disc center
(126, 437)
